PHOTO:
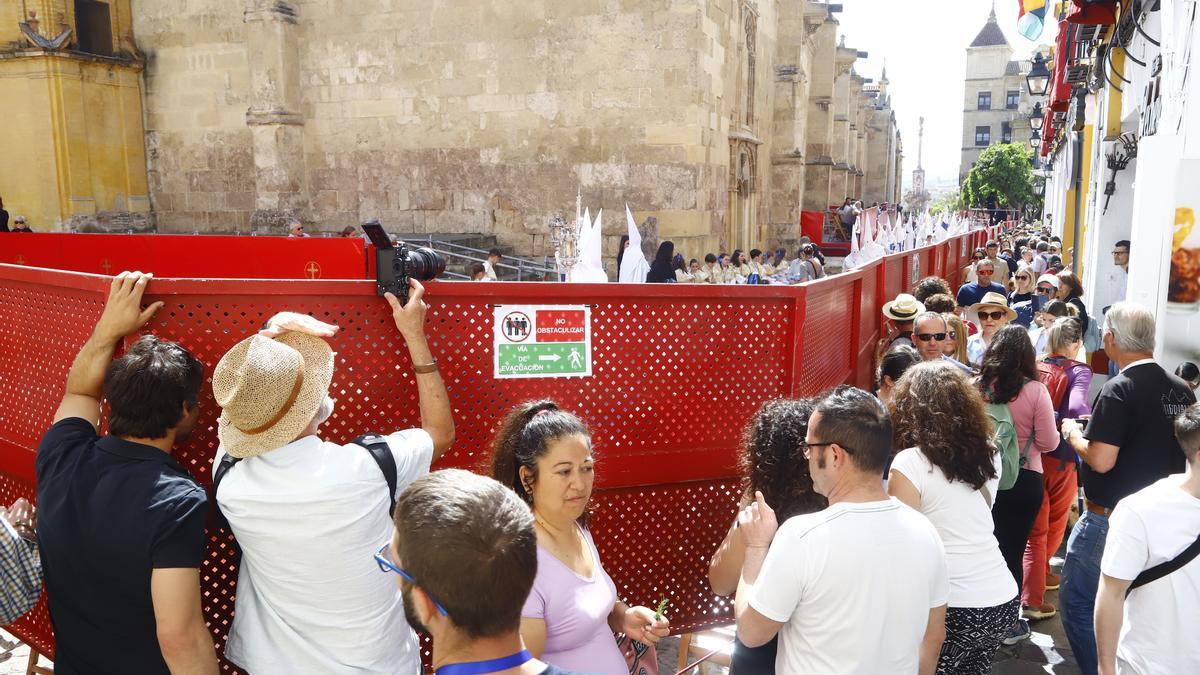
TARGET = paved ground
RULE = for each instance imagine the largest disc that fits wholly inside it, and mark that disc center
(1046, 652)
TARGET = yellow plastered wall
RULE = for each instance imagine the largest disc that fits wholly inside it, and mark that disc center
(73, 138)
(1069, 224)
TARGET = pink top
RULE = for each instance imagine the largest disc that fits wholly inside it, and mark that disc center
(1033, 414)
(576, 611)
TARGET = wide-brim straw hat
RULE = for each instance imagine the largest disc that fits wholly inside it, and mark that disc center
(904, 308)
(991, 300)
(269, 389)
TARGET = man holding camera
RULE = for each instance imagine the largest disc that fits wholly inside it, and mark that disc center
(310, 514)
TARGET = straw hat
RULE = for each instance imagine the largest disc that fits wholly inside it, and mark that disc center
(993, 299)
(269, 390)
(904, 308)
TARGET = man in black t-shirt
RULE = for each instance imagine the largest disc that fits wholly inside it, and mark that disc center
(120, 522)
(465, 555)
(1128, 444)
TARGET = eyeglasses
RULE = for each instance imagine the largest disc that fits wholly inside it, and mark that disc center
(926, 337)
(994, 316)
(806, 447)
(386, 565)
(1044, 290)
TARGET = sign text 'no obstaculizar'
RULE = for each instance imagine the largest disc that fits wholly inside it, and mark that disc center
(542, 341)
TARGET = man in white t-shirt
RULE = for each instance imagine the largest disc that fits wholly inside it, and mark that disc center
(1152, 630)
(860, 587)
(309, 514)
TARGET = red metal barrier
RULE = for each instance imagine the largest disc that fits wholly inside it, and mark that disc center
(677, 372)
(183, 256)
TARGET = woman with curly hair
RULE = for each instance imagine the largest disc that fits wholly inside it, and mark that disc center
(544, 454)
(1009, 376)
(948, 470)
(770, 463)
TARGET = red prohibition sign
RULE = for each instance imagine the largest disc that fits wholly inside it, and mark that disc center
(516, 327)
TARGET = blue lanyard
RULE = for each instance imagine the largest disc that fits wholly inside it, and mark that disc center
(489, 666)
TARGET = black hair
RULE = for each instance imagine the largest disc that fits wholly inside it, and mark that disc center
(1188, 372)
(621, 251)
(666, 251)
(148, 386)
(475, 268)
(1008, 364)
(930, 286)
(524, 437)
(770, 460)
(736, 258)
(754, 253)
(495, 252)
(1123, 242)
(897, 361)
(710, 258)
(856, 420)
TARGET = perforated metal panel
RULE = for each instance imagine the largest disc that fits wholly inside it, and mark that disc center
(826, 334)
(678, 370)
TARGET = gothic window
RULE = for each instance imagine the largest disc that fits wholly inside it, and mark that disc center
(1006, 133)
(93, 27)
(751, 25)
(983, 135)
(1012, 100)
(985, 100)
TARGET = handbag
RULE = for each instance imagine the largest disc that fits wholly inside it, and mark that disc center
(21, 567)
(641, 658)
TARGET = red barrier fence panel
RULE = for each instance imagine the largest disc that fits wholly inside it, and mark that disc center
(678, 370)
(190, 256)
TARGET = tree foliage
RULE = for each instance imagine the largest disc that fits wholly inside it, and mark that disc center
(951, 202)
(1001, 178)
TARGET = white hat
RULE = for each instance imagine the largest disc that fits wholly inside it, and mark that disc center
(269, 390)
(904, 308)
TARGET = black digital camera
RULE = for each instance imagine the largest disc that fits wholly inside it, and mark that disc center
(395, 265)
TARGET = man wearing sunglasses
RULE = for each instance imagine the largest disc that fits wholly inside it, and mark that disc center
(465, 555)
(821, 579)
(971, 293)
(931, 335)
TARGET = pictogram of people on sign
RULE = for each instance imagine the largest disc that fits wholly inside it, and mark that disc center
(516, 326)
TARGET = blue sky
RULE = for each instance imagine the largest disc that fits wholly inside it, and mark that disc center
(924, 44)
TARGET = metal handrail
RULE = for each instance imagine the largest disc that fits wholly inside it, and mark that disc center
(521, 267)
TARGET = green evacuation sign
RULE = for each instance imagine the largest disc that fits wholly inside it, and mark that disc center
(542, 341)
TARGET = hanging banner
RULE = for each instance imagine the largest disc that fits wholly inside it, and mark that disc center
(542, 341)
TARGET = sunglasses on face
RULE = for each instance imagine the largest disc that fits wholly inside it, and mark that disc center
(1043, 290)
(994, 316)
(926, 337)
(1022, 277)
(1120, 252)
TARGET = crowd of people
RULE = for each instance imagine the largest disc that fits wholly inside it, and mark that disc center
(905, 530)
(756, 267)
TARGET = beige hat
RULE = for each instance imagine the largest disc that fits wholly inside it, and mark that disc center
(991, 300)
(904, 308)
(269, 390)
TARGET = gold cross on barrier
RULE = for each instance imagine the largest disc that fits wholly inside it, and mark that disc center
(106, 266)
(312, 270)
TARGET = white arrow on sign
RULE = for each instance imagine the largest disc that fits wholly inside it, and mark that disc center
(549, 357)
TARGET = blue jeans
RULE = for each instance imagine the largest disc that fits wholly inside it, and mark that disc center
(1080, 578)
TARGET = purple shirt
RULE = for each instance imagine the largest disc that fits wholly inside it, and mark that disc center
(576, 611)
(1075, 402)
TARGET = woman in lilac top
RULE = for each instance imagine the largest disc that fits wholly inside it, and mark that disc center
(1061, 485)
(1009, 375)
(545, 455)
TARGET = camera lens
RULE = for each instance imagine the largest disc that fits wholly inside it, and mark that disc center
(425, 264)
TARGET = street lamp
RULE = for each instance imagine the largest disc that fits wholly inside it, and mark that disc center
(1035, 140)
(1038, 79)
(1036, 117)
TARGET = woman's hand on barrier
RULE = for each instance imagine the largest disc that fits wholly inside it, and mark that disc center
(757, 524)
(123, 314)
(639, 624)
(410, 317)
(299, 323)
